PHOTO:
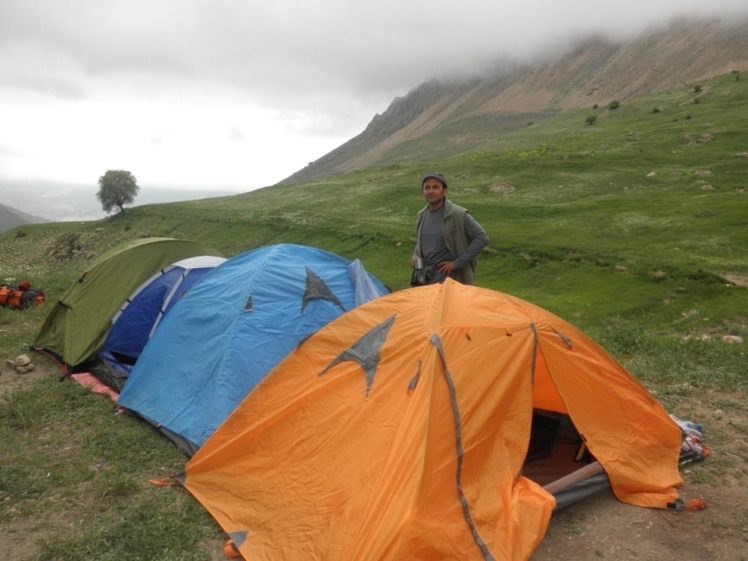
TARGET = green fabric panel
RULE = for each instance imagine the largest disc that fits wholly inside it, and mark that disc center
(78, 324)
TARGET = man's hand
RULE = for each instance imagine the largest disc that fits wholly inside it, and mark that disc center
(446, 268)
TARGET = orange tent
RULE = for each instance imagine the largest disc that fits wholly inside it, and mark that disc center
(401, 431)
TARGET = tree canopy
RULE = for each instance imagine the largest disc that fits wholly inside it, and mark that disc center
(116, 189)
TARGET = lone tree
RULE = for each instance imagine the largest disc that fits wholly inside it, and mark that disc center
(116, 189)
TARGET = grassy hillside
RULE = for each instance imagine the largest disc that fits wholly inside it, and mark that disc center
(635, 223)
(642, 215)
(635, 228)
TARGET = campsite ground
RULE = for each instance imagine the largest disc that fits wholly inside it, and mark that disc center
(599, 528)
(604, 528)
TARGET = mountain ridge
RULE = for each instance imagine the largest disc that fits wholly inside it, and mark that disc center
(462, 114)
(11, 217)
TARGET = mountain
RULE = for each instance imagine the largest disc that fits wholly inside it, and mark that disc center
(441, 118)
(11, 217)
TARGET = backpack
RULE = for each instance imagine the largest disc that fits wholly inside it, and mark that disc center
(21, 296)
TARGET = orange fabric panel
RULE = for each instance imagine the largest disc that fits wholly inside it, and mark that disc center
(311, 466)
(313, 469)
(626, 429)
(545, 396)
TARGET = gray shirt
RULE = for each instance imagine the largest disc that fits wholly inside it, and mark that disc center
(432, 240)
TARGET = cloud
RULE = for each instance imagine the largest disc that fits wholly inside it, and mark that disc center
(295, 54)
(235, 134)
(88, 84)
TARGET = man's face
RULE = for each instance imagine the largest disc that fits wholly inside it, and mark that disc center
(434, 192)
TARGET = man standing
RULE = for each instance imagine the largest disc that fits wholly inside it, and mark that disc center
(448, 239)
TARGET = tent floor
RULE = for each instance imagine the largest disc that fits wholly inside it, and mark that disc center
(558, 463)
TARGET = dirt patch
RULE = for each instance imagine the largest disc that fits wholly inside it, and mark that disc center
(736, 279)
(11, 380)
(215, 547)
(502, 188)
(18, 538)
(602, 527)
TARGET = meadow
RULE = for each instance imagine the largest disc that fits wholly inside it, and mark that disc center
(634, 228)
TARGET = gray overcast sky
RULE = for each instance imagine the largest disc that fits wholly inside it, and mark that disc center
(240, 94)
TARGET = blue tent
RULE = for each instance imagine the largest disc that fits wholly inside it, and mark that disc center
(232, 329)
(139, 316)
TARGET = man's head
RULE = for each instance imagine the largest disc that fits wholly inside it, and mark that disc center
(433, 175)
(434, 188)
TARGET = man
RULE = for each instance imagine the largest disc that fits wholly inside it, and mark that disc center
(448, 239)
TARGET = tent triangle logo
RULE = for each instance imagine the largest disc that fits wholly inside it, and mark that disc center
(238, 537)
(317, 289)
(365, 351)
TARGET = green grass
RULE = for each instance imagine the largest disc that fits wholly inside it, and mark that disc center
(627, 228)
(66, 459)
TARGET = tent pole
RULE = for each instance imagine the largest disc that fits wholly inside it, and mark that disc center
(574, 477)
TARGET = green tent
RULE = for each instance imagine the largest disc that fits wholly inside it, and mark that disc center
(78, 324)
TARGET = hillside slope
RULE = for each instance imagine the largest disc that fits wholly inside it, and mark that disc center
(11, 217)
(459, 116)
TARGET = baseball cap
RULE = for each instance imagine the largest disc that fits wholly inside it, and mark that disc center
(434, 175)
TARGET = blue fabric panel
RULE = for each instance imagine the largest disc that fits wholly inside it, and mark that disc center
(134, 326)
(210, 351)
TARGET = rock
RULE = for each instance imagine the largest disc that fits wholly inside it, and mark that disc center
(732, 338)
(22, 360)
(21, 364)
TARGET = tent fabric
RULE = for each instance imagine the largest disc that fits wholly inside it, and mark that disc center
(79, 322)
(365, 288)
(400, 430)
(90, 381)
(230, 330)
(139, 316)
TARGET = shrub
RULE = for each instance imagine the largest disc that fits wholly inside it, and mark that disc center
(615, 104)
(590, 119)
